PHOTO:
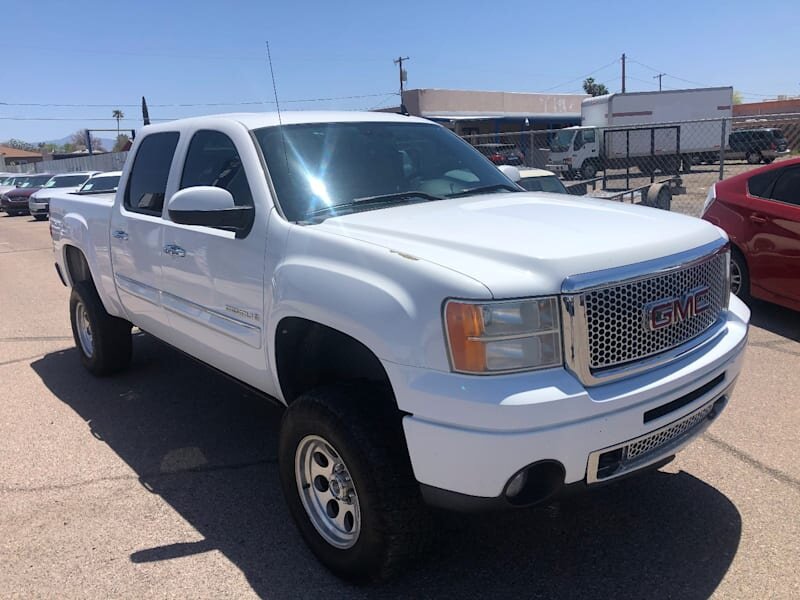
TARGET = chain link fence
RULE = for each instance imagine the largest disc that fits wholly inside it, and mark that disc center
(109, 161)
(623, 163)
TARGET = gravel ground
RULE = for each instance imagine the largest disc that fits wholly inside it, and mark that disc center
(162, 482)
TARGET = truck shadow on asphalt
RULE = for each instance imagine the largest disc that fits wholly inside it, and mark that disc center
(777, 319)
(208, 448)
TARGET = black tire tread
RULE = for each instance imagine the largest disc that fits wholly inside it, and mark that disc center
(374, 430)
(111, 336)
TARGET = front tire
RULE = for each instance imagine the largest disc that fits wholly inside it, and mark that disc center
(347, 479)
(589, 170)
(40, 217)
(753, 157)
(104, 342)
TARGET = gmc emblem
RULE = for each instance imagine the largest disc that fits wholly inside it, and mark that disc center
(671, 311)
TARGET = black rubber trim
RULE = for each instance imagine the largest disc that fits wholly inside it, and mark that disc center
(667, 408)
(464, 503)
(60, 275)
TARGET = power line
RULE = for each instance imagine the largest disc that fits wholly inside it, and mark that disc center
(582, 77)
(194, 104)
(691, 82)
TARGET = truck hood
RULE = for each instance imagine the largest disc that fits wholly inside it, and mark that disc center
(525, 243)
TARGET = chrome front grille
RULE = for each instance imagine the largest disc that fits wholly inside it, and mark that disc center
(615, 315)
(611, 329)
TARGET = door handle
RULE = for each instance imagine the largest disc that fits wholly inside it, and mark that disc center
(174, 250)
(758, 219)
(119, 234)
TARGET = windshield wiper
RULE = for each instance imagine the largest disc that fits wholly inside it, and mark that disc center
(485, 189)
(373, 201)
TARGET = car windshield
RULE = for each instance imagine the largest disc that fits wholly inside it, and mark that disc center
(318, 166)
(562, 140)
(103, 183)
(35, 181)
(63, 181)
(547, 183)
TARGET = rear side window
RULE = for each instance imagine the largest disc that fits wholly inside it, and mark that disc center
(759, 185)
(147, 184)
(213, 160)
(787, 187)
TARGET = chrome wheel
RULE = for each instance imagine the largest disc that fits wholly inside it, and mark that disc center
(736, 277)
(327, 492)
(84, 328)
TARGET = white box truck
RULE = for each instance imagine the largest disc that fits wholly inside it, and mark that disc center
(648, 130)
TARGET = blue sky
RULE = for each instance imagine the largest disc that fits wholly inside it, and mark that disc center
(201, 52)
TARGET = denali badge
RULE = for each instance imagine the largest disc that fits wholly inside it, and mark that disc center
(671, 311)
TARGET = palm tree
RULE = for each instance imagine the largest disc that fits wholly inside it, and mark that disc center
(117, 114)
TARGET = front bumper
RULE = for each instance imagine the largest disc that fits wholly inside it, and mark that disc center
(470, 435)
(558, 168)
(10, 204)
(38, 208)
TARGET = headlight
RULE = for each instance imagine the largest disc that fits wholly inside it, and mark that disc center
(500, 337)
(710, 197)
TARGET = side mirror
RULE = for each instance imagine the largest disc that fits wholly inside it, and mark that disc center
(210, 207)
(511, 172)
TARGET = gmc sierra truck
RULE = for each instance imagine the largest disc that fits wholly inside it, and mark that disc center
(438, 336)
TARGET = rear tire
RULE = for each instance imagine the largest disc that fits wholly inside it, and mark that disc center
(40, 217)
(104, 342)
(357, 427)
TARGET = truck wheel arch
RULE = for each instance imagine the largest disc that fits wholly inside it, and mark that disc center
(309, 355)
(77, 265)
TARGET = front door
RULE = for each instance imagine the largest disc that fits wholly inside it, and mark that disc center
(137, 231)
(214, 280)
(774, 253)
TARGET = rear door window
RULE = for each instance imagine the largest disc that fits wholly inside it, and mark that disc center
(760, 185)
(147, 184)
(787, 186)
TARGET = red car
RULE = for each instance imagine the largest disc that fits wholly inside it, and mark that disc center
(760, 211)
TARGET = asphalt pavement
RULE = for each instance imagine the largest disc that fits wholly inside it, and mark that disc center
(162, 482)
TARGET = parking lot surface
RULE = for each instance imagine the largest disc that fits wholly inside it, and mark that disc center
(162, 482)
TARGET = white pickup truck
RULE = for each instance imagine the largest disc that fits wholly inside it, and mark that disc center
(438, 336)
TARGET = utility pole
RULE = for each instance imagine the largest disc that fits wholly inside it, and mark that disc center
(403, 77)
(659, 76)
(623, 72)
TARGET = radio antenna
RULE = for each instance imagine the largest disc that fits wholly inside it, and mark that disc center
(277, 107)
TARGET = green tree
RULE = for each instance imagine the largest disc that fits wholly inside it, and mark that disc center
(21, 145)
(122, 140)
(737, 97)
(118, 115)
(594, 89)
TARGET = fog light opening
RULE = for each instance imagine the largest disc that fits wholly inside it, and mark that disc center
(535, 483)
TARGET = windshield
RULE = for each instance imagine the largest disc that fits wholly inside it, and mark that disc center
(13, 180)
(319, 165)
(548, 183)
(107, 183)
(562, 140)
(35, 181)
(66, 181)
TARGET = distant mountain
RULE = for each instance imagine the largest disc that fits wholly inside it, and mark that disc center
(108, 143)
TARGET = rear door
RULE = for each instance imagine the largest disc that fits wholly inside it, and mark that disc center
(137, 233)
(213, 280)
(774, 245)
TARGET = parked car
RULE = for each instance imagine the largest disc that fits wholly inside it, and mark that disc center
(437, 335)
(760, 211)
(101, 183)
(15, 202)
(10, 182)
(39, 202)
(540, 180)
(501, 154)
(757, 145)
